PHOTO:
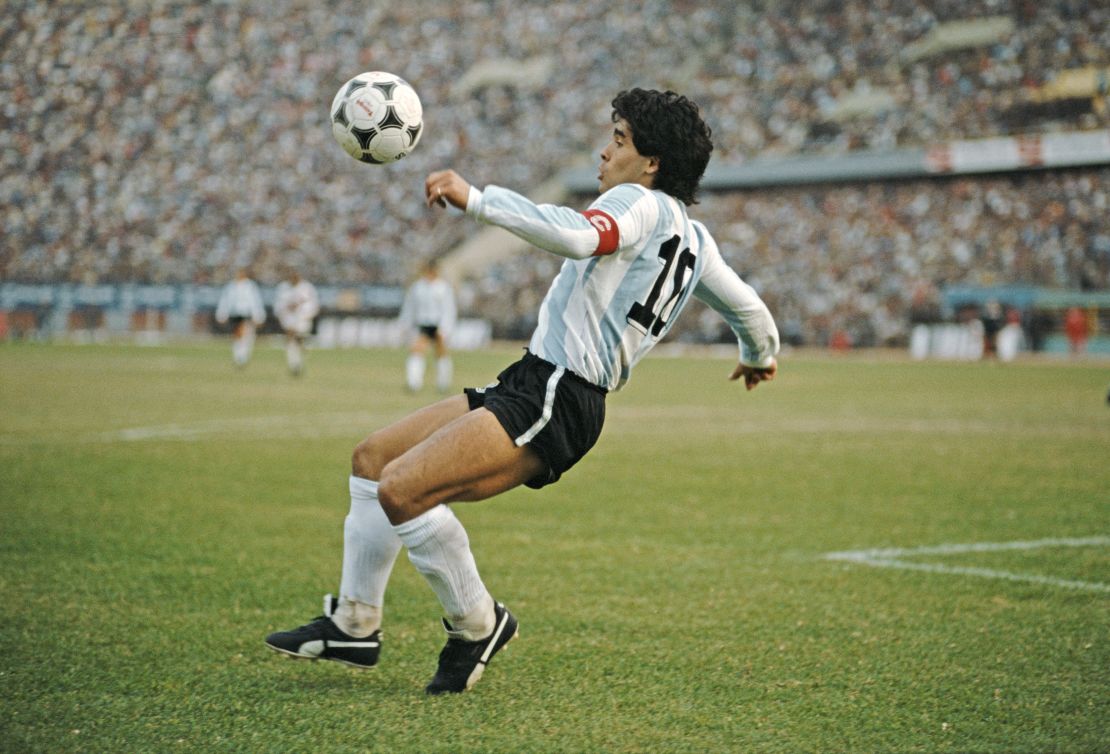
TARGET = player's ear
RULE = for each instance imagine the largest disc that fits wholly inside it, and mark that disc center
(652, 166)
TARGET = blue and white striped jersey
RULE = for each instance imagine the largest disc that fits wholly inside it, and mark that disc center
(634, 258)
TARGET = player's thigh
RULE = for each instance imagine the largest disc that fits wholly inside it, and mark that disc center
(471, 458)
(379, 448)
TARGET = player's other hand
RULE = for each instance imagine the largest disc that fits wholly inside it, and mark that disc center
(445, 187)
(754, 375)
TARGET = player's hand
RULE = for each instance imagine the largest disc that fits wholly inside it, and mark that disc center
(754, 375)
(446, 187)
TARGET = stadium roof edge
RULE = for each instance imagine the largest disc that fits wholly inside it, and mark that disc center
(1005, 154)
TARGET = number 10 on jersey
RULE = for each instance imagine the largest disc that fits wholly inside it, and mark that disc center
(650, 316)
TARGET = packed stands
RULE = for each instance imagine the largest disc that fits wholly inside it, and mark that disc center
(169, 142)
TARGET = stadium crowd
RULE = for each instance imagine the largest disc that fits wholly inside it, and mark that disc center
(866, 262)
(173, 142)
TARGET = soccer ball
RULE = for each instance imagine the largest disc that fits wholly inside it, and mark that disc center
(376, 117)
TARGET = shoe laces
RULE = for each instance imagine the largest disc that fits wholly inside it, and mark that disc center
(460, 652)
(314, 625)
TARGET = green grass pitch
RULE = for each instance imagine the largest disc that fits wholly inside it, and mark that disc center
(162, 512)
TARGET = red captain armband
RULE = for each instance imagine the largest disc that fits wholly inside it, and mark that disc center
(608, 235)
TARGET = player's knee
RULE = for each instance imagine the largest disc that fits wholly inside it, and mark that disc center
(368, 459)
(391, 495)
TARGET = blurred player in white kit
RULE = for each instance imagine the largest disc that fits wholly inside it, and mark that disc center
(296, 306)
(241, 304)
(429, 309)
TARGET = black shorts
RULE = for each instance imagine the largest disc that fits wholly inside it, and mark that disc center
(429, 331)
(552, 410)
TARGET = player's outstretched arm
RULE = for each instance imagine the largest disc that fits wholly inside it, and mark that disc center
(754, 375)
(557, 229)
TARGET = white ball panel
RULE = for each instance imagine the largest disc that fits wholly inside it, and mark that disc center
(389, 145)
(347, 140)
(407, 104)
(366, 107)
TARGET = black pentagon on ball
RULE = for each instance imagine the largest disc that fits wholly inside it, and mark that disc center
(367, 157)
(386, 88)
(364, 135)
(414, 132)
(340, 116)
(391, 118)
(353, 86)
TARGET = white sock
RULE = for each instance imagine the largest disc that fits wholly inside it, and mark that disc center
(370, 548)
(248, 344)
(239, 352)
(294, 358)
(444, 374)
(414, 371)
(440, 550)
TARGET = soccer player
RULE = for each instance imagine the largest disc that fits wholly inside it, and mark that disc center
(296, 306)
(429, 309)
(633, 260)
(1075, 327)
(241, 304)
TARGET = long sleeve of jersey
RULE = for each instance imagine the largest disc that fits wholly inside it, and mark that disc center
(311, 305)
(223, 306)
(258, 309)
(722, 290)
(559, 230)
(406, 317)
(450, 311)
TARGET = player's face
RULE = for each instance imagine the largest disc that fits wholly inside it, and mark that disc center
(622, 163)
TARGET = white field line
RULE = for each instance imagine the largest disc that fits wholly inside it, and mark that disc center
(304, 426)
(894, 558)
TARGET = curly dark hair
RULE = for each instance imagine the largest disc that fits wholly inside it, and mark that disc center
(668, 126)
